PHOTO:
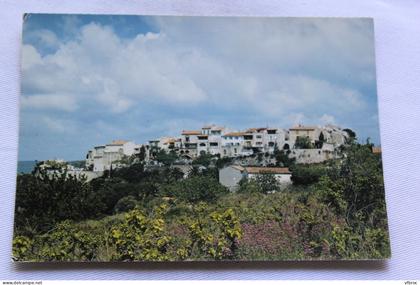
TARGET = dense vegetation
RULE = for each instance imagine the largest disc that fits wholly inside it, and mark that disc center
(334, 210)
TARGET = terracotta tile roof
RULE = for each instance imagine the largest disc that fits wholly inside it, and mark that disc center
(118, 142)
(238, 167)
(253, 130)
(191, 132)
(234, 134)
(268, 170)
(168, 140)
(376, 149)
(262, 170)
(302, 128)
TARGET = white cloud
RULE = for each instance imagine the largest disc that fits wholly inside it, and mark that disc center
(58, 126)
(270, 67)
(48, 101)
(30, 57)
(327, 119)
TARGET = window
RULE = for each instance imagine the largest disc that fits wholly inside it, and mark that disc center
(235, 150)
(202, 144)
(214, 144)
(259, 136)
(187, 139)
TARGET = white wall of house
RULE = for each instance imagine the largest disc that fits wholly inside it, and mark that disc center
(230, 176)
(103, 156)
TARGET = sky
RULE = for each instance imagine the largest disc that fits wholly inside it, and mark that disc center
(90, 79)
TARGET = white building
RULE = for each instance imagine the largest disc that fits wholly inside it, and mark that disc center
(196, 142)
(328, 134)
(217, 140)
(101, 157)
(231, 175)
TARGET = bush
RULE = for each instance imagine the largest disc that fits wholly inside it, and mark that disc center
(125, 204)
(48, 198)
(307, 174)
(196, 189)
(262, 183)
(303, 143)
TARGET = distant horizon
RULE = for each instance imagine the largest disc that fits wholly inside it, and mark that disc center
(90, 79)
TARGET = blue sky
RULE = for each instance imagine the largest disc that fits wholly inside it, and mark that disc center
(87, 79)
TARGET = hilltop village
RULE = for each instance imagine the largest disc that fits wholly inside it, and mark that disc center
(246, 153)
(307, 144)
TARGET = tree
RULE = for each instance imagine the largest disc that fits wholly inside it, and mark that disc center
(282, 157)
(133, 173)
(320, 142)
(307, 174)
(261, 183)
(142, 154)
(358, 181)
(303, 143)
(267, 183)
(195, 189)
(204, 159)
(166, 158)
(221, 162)
(125, 204)
(352, 135)
(51, 197)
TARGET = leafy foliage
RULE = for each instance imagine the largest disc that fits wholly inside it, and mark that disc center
(196, 189)
(265, 184)
(307, 174)
(141, 237)
(282, 157)
(47, 198)
(303, 143)
(333, 210)
(125, 204)
(166, 158)
(215, 237)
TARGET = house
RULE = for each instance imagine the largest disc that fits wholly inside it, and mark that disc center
(231, 175)
(299, 131)
(189, 143)
(102, 157)
(197, 142)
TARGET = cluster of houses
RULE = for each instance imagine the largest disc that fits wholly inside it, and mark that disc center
(321, 143)
(223, 142)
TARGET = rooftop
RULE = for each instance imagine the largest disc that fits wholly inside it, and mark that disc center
(302, 128)
(262, 170)
(193, 133)
(268, 170)
(234, 134)
(118, 142)
(253, 130)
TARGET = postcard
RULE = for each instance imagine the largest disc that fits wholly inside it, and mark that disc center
(168, 138)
